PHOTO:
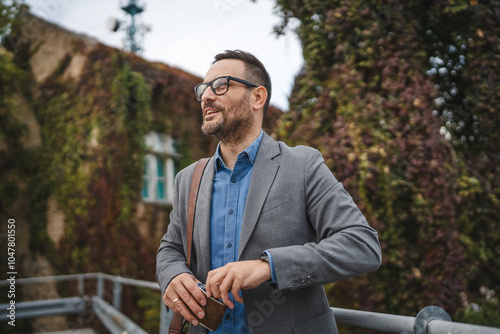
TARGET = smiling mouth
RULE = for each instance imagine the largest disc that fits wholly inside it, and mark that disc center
(211, 109)
(211, 112)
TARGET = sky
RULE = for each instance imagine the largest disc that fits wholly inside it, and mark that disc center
(188, 34)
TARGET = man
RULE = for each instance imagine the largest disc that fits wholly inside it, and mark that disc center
(272, 224)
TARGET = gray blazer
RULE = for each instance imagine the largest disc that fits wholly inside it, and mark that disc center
(298, 211)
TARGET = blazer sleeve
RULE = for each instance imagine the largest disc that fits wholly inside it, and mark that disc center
(171, 258)
(346, 245)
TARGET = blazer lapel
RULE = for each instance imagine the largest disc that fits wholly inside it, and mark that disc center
(263, 175)
(202, 215)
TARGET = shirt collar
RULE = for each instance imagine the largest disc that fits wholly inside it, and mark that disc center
(251, 152)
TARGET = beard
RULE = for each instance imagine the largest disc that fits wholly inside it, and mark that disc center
(232, 124)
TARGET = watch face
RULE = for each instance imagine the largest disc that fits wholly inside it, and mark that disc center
(264, 257)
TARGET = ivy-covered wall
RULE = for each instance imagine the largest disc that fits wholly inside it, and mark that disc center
(402, 99)
(93, 105)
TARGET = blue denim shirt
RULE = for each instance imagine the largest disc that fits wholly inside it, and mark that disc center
(229, 197)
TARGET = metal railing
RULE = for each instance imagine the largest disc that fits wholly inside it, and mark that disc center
(430, 320)
(110, 315)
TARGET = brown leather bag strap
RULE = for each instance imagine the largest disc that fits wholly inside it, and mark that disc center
(193, 195)
(177, 322)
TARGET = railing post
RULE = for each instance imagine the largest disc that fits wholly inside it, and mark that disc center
(117, 292)
(426, 315)
(80, 285)
(100, 285)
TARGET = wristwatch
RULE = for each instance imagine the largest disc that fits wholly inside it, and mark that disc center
(264, 257)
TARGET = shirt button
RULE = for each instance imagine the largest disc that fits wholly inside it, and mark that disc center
(228, 316)
(229, 245)
(231, 211)
(234, 180)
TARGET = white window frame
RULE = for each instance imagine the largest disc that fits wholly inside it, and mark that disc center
(159, 146)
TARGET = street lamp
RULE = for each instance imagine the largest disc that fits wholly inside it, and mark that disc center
(134, 30)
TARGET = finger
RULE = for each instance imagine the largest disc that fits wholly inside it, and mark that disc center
(235, 290)
(208, 286)
(181, 308)
(168, 297)
(166, 300)
(216, 290)
(180, 283)
(224, 290)
(184, 288)
(214, 286)
(213, 282)
(195, 290)
(190, 297)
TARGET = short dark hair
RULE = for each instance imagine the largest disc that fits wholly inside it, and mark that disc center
(254, 69)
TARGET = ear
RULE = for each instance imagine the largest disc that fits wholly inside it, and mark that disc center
(259, 95)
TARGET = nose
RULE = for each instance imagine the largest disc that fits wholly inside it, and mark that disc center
(208, 94)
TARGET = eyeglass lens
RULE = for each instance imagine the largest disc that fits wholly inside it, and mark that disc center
(219, 87)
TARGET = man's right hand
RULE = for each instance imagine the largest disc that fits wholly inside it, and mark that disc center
(185, 297)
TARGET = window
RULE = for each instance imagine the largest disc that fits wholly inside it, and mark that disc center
(158, 169)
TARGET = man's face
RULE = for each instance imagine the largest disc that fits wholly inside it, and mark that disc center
(227, 117)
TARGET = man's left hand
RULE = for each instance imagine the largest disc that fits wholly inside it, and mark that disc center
(236, 276)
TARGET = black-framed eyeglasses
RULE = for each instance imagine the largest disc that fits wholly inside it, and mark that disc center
(219, 86)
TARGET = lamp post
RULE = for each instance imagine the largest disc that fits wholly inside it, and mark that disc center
(134, 29)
